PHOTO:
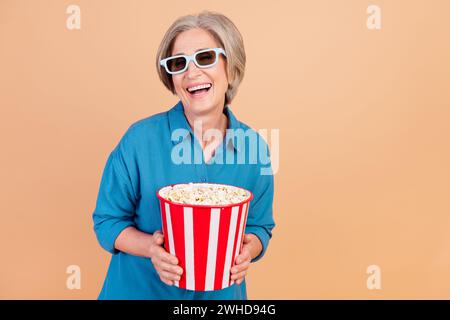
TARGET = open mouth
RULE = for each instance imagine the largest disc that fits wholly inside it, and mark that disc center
(198, 91)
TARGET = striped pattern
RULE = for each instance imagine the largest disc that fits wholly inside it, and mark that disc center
(206, 242)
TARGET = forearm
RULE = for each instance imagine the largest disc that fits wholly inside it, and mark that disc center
(134, 242)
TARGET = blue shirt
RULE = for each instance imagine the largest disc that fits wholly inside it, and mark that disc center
(148, 158)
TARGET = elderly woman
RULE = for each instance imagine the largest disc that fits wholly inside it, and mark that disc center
(201, 59)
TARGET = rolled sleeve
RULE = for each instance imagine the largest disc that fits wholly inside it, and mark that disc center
(116, 201)
(260, 220)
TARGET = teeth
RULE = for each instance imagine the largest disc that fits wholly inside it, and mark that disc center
(201, 86)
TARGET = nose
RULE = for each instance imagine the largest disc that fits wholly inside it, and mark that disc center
(192, 69)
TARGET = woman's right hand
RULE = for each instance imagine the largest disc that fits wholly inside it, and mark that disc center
(165, 263)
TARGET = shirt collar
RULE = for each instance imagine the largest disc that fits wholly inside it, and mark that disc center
(177, 119)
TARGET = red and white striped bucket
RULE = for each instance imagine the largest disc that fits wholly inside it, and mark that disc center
(205, 239)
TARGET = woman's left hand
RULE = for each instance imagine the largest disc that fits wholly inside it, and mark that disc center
(252, 248)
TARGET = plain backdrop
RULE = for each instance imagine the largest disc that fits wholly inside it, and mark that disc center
(363, 117)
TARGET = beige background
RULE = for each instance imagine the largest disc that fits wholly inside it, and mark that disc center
(364, 138)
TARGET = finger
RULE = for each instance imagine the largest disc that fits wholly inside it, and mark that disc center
(168, 258)
(157, 252)
(158, 242)
(168, 282)
(239, 275)
(163, 277)
(158, 237)
(161, 254)
(170, 268)
(240, 267)
(243, 257)
(169, 276)
(157, 232)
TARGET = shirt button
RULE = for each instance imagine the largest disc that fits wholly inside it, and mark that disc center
(203, 180)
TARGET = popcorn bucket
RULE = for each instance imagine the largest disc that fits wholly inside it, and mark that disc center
(206, 239)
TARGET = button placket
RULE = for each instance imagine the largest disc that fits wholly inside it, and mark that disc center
(201, 168)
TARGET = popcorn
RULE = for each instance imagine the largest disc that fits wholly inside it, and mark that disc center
(204, 194)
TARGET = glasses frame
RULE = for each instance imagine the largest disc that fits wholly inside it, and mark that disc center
(192, 57)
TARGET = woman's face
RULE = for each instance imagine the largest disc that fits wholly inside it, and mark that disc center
(188, 42)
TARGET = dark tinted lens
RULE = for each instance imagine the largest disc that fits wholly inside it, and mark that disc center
(206, 58)
(176, 64)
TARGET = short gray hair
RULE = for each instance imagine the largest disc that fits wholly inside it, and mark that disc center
(224, 32)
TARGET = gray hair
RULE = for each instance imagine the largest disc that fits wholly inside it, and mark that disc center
(224, 32)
